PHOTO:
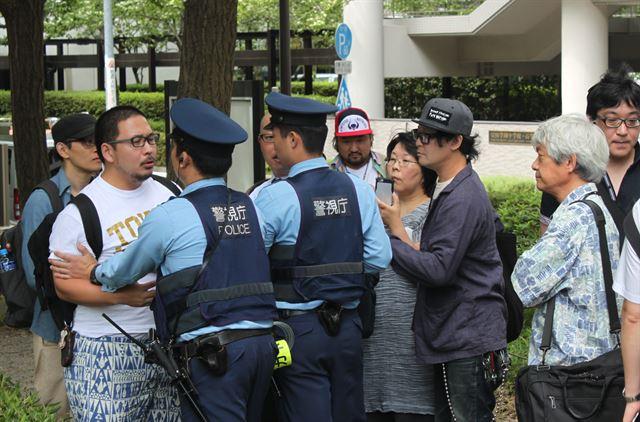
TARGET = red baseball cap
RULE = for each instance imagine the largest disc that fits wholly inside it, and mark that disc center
(352, 122)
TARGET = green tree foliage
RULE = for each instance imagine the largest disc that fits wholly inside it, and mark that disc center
(140, 20)
(407, 8)
(312, 15)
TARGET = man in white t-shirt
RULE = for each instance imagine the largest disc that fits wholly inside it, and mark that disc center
(108, 378)
(353, 141)
(626, 285)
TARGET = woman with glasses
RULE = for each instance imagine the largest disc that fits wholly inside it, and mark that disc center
(396, 387)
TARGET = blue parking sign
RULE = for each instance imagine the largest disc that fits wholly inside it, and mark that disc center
(344, 99)
(343, 41)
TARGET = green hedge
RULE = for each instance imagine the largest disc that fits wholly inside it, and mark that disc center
(517, 202)
(19, 405)
(513, 98)
(60, 103)
(323, 89)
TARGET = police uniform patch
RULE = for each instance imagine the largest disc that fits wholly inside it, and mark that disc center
(333, 206)
(237, 223)
(439, 116)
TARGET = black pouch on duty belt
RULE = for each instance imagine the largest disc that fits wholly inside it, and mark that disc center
(329, 315)
(213, 355)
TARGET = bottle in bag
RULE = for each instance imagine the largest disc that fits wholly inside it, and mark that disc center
(7, 262)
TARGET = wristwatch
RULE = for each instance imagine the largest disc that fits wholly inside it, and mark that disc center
(92, 276)
(630, 399)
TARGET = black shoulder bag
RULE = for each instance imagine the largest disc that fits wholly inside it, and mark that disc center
(589, 390)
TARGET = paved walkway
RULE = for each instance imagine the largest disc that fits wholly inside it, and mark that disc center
(16, 352)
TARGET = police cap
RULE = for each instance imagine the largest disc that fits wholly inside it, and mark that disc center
(203, 122)
(296, 111)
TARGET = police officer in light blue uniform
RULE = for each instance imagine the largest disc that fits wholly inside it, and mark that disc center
(214, 297)
(323, 231)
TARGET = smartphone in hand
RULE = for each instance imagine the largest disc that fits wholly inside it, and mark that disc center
(384, 190)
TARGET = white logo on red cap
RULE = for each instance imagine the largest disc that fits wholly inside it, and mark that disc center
(353, 123)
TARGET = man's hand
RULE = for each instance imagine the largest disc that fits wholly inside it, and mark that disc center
(71, 266)
(137, 294)
(631, 411)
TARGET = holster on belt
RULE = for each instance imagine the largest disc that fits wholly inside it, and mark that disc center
(213, 355)
(329, 315)
(211, 349)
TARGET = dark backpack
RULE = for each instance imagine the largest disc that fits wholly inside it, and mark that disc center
(62, 311)
(19, 297)
(506, 243)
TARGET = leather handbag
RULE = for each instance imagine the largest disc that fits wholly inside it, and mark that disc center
(588, 391)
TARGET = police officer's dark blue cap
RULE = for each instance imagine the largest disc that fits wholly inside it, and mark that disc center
(296, 111)
(203, 122)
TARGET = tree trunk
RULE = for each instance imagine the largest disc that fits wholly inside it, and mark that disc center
(24, 20)
(208, 45)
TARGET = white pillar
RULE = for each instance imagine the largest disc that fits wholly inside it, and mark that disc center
(366, 82)
(585, 51)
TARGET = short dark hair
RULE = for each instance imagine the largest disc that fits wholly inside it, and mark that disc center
(467, 147)
(107, 124)
(211, 160)
(313, 137)
(429, 177)
(614, 88)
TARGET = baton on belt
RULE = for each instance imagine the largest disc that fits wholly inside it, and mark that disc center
(154, 352)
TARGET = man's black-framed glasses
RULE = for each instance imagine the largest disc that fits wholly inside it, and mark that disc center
(615, 122)
(138, 141)
(422, 137)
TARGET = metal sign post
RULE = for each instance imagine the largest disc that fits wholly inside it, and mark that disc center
(343, 66)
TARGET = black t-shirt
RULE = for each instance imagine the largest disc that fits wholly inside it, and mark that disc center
(627, 196)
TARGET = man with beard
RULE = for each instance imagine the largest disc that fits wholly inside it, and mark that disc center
(108, 378)
(353, 141)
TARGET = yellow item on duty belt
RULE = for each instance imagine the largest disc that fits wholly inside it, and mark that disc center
(284, 355)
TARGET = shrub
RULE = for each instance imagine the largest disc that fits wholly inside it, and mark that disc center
(324, 89)
(511, 98)
(19, 405)
(322, 99)
(144, 88)
(517, 202)
(61, 103)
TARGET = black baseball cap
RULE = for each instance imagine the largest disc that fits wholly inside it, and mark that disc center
(446, 115)
(74, 126)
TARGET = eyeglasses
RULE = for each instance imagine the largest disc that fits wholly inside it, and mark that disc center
(265, 138)
(423, 137)
(401, 162)
(88, 142)
(616, 122)
(138, 141)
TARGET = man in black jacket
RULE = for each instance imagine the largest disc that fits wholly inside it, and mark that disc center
(460, 314)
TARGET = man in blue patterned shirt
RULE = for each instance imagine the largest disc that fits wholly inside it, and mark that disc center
(566, 263)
